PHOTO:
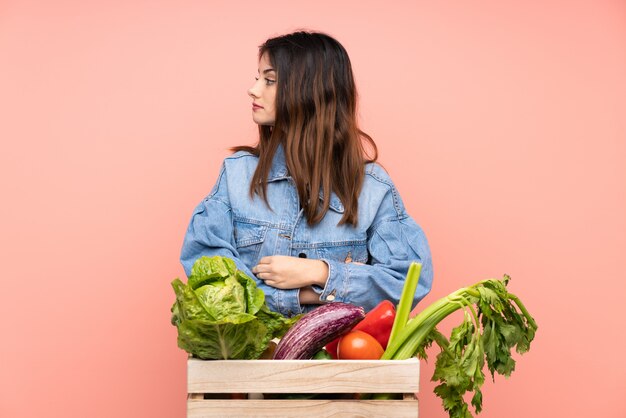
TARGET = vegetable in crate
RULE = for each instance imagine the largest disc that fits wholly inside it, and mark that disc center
(359, 345)
(495, 322)
(322, 355)
(316, 328)
(221, 314)
(377, 323)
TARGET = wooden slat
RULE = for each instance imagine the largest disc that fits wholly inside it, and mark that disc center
(301, 408)
(302, 376)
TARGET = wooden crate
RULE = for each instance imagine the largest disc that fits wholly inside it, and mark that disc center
(301, 376)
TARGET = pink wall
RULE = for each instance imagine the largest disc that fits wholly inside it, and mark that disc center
(502, 123)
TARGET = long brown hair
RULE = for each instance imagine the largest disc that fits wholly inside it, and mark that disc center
(316, 122)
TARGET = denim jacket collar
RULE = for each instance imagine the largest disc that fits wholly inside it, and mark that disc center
(278, 171)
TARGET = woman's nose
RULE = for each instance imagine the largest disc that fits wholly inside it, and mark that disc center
(252, 91)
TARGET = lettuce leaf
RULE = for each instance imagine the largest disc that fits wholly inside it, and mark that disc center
(221, 314)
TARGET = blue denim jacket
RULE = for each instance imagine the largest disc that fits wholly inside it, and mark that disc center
(228, 222)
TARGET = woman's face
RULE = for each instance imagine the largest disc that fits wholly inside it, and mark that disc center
(263, 93)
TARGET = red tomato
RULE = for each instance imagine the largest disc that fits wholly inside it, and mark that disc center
(358, 345)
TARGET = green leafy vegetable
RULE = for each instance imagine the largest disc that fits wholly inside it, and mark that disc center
(221, 314)
(495, 321)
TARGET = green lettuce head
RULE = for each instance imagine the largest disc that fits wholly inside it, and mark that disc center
(221, 314)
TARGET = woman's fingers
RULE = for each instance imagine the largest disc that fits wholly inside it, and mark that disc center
(262, 273)
(262, 268)
(265, 265)
(266, 260)
(267, 278)
(285, 272)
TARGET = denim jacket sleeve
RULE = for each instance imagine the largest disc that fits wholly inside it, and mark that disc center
(211, 233)
(395, 240)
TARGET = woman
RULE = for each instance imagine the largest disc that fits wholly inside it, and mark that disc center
(305, 211)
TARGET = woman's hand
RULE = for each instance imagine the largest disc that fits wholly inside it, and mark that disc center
(285, 272)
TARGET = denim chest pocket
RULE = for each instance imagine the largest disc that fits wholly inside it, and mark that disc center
(345, 252)
(249, 238)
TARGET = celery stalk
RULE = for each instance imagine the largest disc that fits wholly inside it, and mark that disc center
(416, 331)
(447, 305)
(496, 322)
(405, 304)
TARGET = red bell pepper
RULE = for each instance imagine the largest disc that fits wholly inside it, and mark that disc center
(377, 323)
(331, 347)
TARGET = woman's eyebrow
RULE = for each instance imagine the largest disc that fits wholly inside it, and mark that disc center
(269, 70)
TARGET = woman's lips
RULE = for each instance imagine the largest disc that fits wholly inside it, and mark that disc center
(256, 106)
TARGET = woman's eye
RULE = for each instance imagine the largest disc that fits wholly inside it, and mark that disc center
(269, 82)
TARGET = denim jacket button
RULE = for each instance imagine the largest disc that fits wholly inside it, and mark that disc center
(302, 255)
(330, 298)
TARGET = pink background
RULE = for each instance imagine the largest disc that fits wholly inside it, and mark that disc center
(502, 123)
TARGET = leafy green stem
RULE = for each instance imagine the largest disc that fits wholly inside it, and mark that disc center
(522, 308)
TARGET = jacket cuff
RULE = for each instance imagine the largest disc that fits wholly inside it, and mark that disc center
(336, 283)
(288, 302)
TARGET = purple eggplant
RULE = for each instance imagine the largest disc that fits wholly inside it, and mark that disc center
(316, 329)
